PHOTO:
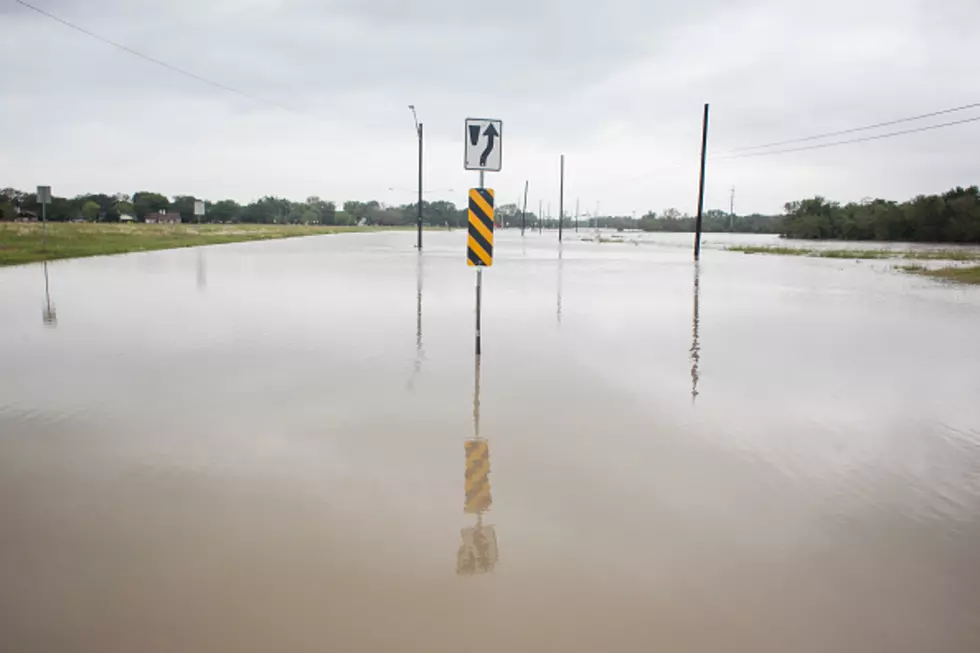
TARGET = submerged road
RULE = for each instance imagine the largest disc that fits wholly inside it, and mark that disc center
(288, 446)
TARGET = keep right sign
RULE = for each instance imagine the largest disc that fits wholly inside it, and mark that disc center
(484, 144)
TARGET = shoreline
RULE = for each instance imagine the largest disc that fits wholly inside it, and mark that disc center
(21, 243)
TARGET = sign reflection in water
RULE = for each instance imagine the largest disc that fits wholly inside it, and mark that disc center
(478, 550)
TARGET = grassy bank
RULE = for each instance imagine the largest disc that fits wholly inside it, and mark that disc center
(923, 255)
(22, 242)
(969, 274)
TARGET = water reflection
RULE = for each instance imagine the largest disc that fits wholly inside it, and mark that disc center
(48, 314)
(478, 550)
(560, 265)
(695, 341)
(202, 270)
(419, 350)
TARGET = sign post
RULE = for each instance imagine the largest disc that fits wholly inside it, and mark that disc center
(482, 151)
(44, 198)
(199, 209)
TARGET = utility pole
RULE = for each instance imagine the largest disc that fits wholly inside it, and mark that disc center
(704, 151)
(524, 210)
(576, 215)
(731, 212)
(540, 218)
(561, 198)
(418, 130)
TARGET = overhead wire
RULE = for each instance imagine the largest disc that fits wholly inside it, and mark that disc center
(852, 130)
(849, 141)
(154, 60)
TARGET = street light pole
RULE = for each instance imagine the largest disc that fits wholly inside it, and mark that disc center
(418, 130)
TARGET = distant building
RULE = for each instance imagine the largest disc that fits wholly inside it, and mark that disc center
(125, 217)
(162, 217)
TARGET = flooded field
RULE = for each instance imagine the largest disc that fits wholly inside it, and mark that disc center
(264, 446)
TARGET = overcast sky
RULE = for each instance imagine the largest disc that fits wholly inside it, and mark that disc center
(617, 86)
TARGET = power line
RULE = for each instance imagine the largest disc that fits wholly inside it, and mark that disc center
(852, 130)
(853, 140)
(163, 64)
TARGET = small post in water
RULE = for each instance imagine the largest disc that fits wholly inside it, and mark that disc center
(704, 150)
(44, 198)
(561, 198)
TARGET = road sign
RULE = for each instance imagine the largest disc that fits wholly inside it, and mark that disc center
(477, 477)
(484, 143)
(198, 207)
(478, 552)
(43, 194)
(479, 245)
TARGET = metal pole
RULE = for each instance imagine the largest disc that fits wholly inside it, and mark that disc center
(420, 188)
(479, 293)
(561, 197)
(704, 151)
(479, 309)
(44, 226)
(731, 212)
(524, 210)
(576, 215)
(540, 217)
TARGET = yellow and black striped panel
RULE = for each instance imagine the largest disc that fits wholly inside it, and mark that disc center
(477, 476)
(479, 246)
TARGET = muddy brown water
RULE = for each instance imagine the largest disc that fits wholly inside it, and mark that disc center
(260, 447)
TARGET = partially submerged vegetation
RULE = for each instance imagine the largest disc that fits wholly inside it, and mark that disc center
(920, 255)
(969, 274)
(961, 274)
(23, 242)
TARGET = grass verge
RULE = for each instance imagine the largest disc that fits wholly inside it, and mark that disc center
(959, 274)
(924, 255)
(22, 242)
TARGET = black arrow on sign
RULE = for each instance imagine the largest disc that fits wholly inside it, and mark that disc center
(491, 133)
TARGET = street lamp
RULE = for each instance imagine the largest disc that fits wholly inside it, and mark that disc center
(418, 130)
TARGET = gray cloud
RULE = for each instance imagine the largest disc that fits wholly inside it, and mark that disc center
(617, 86)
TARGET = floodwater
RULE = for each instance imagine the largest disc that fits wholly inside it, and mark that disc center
(265, 446)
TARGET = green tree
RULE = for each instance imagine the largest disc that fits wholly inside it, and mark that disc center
(226, 211)
(184, 204)
(91, 210)
(124, 207)
(146, 202)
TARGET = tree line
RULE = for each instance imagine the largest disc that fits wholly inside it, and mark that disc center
(101, 207)
(953, 216)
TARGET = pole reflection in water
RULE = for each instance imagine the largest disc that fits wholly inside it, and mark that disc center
(202, 271)
(419, 350)
(695, 341)
(560, 265)
(478, 550)
(48, 314)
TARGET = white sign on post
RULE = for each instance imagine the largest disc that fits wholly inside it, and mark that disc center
(484, 144)
(198, 207)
